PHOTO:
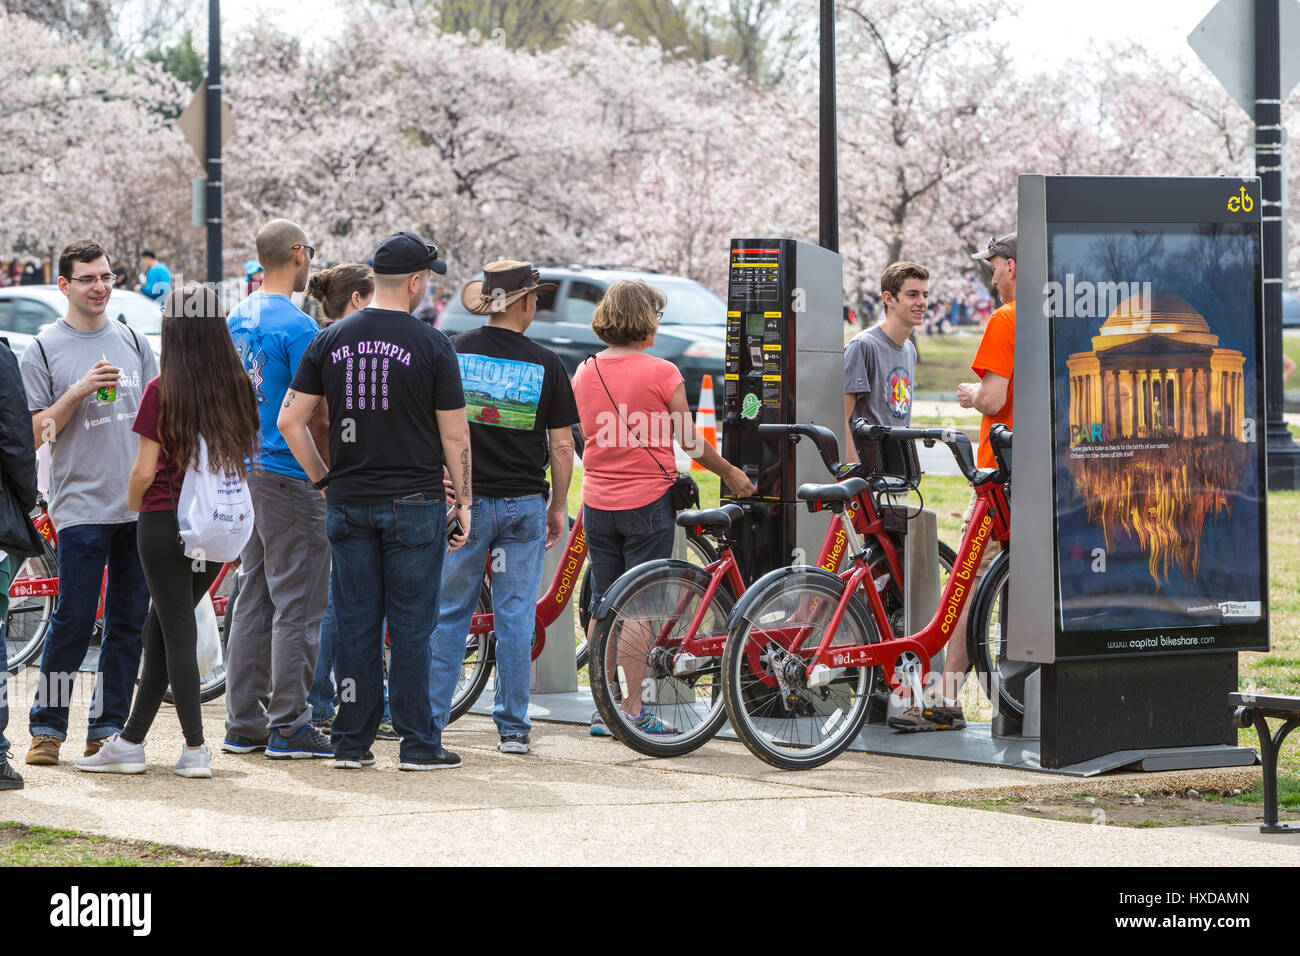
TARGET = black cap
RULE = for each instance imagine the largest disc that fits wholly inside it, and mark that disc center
(403, 253)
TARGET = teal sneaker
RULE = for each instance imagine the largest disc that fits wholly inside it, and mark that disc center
(598, 728)
(648, 723)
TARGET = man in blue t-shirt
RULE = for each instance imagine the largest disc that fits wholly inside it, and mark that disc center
(284, 571)
(157, 277)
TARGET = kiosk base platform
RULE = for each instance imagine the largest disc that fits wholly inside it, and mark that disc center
(974, 745)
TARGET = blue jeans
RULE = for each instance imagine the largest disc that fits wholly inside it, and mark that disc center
(321, 695)
(511, 534)
(8, 570)
(84, 549)
(618, 540)
(387, 563)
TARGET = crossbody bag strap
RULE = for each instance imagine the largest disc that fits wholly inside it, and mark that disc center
(667, 474)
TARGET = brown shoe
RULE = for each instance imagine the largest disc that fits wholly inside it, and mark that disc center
(93, 746)
(44, 751)
(916, 719)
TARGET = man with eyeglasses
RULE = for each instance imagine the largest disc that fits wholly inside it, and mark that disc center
(274, 636)
(396, 417)
(84, 376)
(991, 396)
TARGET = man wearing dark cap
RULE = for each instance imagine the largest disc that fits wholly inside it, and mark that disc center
(517, 396)
(991, 396)
(397, 415)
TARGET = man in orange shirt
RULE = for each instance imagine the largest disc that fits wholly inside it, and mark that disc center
(991, 396)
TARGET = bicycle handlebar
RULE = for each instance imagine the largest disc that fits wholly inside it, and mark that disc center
(957, 442)
(1000, 441)
(827, 444)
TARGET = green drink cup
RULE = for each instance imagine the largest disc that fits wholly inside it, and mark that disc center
(108, 393)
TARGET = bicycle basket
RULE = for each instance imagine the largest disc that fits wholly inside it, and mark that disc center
(890, 458)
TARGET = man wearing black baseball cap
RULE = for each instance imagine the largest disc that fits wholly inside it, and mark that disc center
(397, 415)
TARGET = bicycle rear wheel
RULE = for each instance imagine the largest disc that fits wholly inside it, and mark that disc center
(29, 615)
(777, 715)
(479, 657)
(635, 657)
(1001, 679)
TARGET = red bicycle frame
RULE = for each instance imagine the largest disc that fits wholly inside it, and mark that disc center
(551, 604)
(990, 521)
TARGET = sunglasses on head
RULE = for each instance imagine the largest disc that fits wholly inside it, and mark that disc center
(999, 248)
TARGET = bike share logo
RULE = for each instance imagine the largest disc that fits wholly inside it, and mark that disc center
(1241, 202)
(964, 573)
(571, 562)
(833, 559)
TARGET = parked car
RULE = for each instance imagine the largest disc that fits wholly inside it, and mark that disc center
(1290, 311)
(26, 309)
(692, 334)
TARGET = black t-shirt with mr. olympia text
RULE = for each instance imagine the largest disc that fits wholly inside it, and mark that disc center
(385, 375)
(515, 390)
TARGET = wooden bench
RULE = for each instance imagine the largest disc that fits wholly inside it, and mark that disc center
(1253, 710)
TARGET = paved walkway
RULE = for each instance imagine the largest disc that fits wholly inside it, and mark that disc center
(578, 800)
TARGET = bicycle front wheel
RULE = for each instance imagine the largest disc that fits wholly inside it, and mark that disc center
(652, 697)
(1001, 679)
(772, 707)
(29, 614)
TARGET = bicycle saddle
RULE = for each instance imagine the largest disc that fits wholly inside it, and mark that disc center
(841, 492)
(714, 519)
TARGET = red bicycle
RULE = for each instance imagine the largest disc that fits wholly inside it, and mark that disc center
(34, 592)
(570, 576)
(658, 637)
(805, 653)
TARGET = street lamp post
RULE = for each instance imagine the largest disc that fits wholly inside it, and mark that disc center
(828, 172)
(212, 141)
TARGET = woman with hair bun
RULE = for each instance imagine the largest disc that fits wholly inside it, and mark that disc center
(342, 289)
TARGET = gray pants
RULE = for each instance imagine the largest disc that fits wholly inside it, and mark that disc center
(283, 591)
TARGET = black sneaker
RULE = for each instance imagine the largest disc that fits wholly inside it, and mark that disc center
(442, 760)
(306, 743)
(235, 744)
(367, 759)
(514, 744)
(9, 777)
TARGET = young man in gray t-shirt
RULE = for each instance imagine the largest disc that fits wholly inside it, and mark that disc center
(84, 376)
(880, 363)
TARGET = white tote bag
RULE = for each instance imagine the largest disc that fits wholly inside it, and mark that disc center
(215, 513)
(208, 649)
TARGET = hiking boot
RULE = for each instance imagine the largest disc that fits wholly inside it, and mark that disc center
(386, 732)
(932, 717)
(44, 751)
(116, 756)
(442, 760)
(92, 746)
(304, 744)
(367, 759)
(9, 778)
(235, 744)
(514, 744)
(648, 723)
(194, 763)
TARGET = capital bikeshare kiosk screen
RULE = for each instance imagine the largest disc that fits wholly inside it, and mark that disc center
(1158, 429)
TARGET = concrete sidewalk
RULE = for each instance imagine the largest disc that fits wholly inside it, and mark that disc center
(580, 800)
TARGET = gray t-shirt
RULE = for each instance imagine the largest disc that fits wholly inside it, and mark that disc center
(91, 458)
(880, 374)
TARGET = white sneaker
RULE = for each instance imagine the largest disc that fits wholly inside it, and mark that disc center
(194, 763)
(116, 756)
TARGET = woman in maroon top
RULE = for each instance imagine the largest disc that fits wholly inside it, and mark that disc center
(202, 390)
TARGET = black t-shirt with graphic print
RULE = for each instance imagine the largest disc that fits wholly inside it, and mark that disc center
(385, 375)
(515, 390)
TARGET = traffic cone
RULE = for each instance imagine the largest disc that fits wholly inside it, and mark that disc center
(706, 420)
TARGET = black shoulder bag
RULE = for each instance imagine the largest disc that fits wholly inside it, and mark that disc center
(685, 492)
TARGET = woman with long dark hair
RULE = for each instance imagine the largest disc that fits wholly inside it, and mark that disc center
(202, 391)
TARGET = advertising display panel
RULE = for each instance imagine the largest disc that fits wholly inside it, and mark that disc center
(1154, 328)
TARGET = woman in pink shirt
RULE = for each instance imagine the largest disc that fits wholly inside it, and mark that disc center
(632, 405)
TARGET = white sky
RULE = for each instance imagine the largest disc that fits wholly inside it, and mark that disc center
(1043, 31)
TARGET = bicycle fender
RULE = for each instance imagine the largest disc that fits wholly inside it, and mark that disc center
(628, 577)
(743, 607)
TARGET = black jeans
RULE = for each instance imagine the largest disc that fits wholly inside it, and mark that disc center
(170, 635)
(619, 540)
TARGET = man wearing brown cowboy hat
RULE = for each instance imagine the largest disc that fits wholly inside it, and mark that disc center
(517, 396)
